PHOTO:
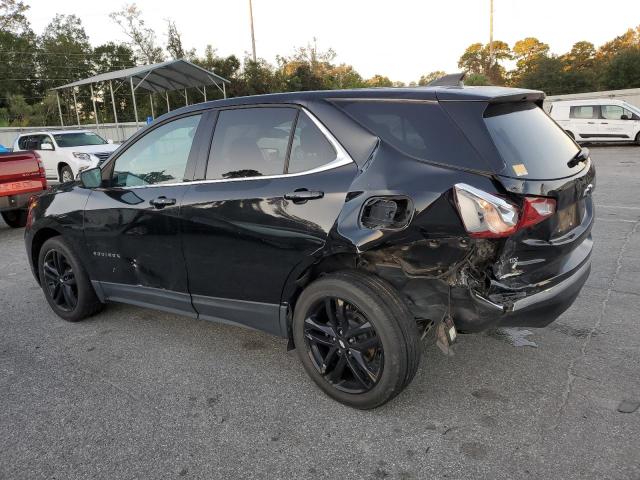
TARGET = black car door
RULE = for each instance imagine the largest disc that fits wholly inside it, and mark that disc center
(274, 185)
(132, 224)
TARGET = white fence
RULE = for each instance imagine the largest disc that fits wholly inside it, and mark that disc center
(630, 95)
(117, 133)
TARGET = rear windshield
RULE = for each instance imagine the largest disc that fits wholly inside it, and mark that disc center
(417, 128)
(78, 139)
(531, 145)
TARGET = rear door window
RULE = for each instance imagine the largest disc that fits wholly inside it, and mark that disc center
(310, 148)
(530, 143)
(250, 142)
(583, 112)
(420, 129)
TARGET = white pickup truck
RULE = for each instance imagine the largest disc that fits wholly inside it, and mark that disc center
(65, 153)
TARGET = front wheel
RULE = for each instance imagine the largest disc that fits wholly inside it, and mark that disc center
(638, 139)
(65, 283)
(15, 218)
(66, 174)
(356, 338)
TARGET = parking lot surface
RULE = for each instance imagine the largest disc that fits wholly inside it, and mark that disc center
(133, 393)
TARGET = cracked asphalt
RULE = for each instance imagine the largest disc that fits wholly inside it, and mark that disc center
(133, 393)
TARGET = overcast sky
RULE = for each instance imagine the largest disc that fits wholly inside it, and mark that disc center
(401, 39)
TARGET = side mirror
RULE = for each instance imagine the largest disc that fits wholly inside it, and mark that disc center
(624, 117)
(109, 140)
(91, 178)
(46, 146)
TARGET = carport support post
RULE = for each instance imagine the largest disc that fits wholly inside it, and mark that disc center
(166, 94)
(95, 112)
(186, 99)
(59, 108)
(75, 104)
(113, 102)
(204, 92)
(224, 90)
(153, 115)
(133, 95)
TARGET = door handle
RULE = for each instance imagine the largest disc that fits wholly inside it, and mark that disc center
(162, 202)
(604, 123)
(302, 195)
(591, 123)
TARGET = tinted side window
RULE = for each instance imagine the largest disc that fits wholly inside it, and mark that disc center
(24, 143)
(583, 111)
(612, 112)
(310, 148)
(250, 142)
(420, 129)
(158, 157)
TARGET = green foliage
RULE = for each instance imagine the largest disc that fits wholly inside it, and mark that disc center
(31, 65)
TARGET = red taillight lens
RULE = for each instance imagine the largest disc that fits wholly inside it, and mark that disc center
(487, 216)
(535, 210)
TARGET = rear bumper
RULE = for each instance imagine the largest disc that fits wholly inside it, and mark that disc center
(15, 202)
(476, 313)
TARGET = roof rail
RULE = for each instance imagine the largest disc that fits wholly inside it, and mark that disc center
(451, 80)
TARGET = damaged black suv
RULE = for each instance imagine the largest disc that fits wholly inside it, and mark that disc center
(350, 222)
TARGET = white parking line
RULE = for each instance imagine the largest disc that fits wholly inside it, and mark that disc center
(617, 206)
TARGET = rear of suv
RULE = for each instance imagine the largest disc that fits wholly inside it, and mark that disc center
(352, 223)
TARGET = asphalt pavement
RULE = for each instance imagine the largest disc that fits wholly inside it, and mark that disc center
(134, 393)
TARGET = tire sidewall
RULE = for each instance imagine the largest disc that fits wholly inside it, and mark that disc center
(389, 334)
(85, 290)
(15, 218)
(62, 170)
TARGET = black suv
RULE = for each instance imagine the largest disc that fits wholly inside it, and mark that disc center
(350, 222)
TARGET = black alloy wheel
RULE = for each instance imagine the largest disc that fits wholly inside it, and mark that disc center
(60, 280)
(343, 345)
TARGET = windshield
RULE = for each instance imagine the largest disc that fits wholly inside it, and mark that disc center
(530, 143)
(78, 139)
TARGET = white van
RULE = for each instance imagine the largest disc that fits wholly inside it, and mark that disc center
(598, 120)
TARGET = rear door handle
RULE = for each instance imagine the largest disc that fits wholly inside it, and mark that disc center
(591, 123)
(302, 195)
(604, 123)
(162, 202)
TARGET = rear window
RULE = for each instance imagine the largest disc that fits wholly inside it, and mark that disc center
(420, 129)
(583, 111)
(531, 144)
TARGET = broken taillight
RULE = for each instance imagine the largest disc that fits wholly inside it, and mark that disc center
(487, 216)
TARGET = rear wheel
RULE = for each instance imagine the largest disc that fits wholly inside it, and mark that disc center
(638, 139)
(356, 338)
(15, 218)
(65, 283)
(66, 174)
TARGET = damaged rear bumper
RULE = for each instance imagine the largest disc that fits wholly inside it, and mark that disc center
(475, 312)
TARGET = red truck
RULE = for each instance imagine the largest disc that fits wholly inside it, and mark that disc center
(22, 175)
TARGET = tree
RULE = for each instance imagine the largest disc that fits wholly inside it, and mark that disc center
(430, 77)
(142, 39)
(545, 73)
(526, 53)
(174, 43)
(623, 71)
(379, 81)
(12, 16)
(477, 60)
(476, 79)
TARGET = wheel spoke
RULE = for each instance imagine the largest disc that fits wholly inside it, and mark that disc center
(310, 323)
(57, 293)
(358, 362)
(50, 272)
(335, 374)
(57, 261)
(331, 316)
(366, 344)
(340, 314)
(319, 339)
(358, 374)
(69, 296)
(364, 328)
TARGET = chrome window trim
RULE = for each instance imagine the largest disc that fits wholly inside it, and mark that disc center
(342, 159)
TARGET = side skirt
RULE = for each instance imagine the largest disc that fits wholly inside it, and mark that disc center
(265, 317)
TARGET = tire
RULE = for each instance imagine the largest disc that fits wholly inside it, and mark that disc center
(65, 174)
(364, 299)
(15, 218)
(638, 139)
(57, 253)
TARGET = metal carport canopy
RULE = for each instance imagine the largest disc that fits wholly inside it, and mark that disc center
(161, 77)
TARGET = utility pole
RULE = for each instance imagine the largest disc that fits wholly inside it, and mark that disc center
(253, 37)
(491, 35)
